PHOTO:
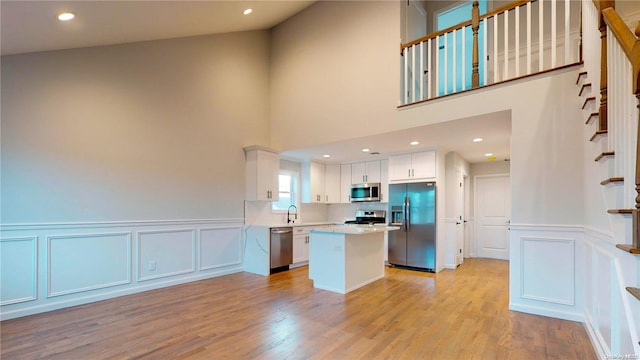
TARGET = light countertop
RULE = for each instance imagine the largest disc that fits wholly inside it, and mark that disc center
(354, 229)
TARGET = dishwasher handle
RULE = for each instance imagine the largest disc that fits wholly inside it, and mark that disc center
(281, 231)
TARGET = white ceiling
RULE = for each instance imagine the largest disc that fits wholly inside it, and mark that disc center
(457, 135)
(30, 26)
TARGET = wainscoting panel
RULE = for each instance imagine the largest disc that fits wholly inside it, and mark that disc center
(612, 314)
(18, 270)
(78, 263)
(51, 266)
(163, 253)
(220, 247)
(553, 280)
(545, 261)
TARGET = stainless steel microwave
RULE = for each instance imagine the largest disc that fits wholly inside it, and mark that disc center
(365, 192)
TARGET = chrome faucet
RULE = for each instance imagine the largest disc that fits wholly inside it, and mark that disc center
(295, 215)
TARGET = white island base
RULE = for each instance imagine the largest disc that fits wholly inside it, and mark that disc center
(342, 261)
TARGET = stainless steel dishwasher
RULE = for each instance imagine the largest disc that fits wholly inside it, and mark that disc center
(281, 250)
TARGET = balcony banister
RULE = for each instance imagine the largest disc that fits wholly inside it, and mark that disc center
(491, 13)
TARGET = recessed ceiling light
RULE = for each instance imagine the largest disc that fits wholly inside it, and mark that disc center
(326, 156)
(247, 11)
(477, 139)
(488, 154)
(414, 143)
(365, 150)
(66, 16)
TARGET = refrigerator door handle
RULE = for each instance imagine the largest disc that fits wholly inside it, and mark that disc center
(407, 212)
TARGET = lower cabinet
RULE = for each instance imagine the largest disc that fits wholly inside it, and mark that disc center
(300, 245)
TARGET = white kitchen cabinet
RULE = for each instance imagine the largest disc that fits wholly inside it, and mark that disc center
(300, 245)
(345, 183)
(363, 172)
(313, 182)
(262, 167)
(332, 183)
(414, 166)
(384, 181)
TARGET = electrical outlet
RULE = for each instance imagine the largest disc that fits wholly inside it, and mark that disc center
(151, 265)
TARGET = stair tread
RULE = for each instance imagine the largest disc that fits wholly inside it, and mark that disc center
(586, 101)
(629, 249)
(598, 133)
(634, 291)
(591, 116)
(604, 155)
(620, 211)
(580, 75)
(616, 179)
(585, 85)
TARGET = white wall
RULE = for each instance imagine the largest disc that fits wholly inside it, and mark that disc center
(118, 158)
(334, 72)
(142, 131)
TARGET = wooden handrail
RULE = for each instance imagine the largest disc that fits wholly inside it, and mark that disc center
(434, 35)
(629, 42)
(507, 7)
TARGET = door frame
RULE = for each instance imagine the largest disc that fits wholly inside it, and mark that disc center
(474, 242)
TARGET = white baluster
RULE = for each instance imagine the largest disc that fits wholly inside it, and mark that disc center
(495, 48)
(484, 24)
(422, 75)
(446, 64)
(540, 35)
(429, 72)
(454, 63)
(567, 30)
(505, 76)
(414, 70)
(436, 54)
(405, 58)
(517, 35)
(553, 33)
(529, 37)
(464, 58)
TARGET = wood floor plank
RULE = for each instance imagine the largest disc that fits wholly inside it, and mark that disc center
(455, 314)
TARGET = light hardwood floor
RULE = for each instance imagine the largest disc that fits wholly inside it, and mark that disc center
(459, 314)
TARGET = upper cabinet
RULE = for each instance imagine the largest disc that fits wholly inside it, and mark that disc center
(414, 166)
(332, 184)
(313, 180)
(262, 166)
(363, 172)
(345, 183)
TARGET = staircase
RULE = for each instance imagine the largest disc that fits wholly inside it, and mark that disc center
(611, 120)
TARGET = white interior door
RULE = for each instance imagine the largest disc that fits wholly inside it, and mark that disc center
(459, 218)
(492, 214)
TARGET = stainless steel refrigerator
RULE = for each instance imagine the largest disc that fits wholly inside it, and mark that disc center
(413, 208)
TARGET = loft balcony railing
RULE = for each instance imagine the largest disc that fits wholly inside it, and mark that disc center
(520, 39)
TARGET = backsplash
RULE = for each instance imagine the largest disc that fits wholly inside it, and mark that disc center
(260, 213)
(341, 212)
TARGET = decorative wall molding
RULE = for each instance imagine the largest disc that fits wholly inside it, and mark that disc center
(109, 224)
(547, 227)
(7, 272)
(51, 240)
(205, 248)
(553, 247)
(172, 255)
(233, 243)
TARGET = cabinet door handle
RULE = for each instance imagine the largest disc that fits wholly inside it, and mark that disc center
(408, 172)
(412, 173)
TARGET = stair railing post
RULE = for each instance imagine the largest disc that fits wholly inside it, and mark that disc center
(602, 26)
(475, 25)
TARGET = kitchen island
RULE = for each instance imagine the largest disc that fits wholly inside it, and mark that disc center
(345, 258)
